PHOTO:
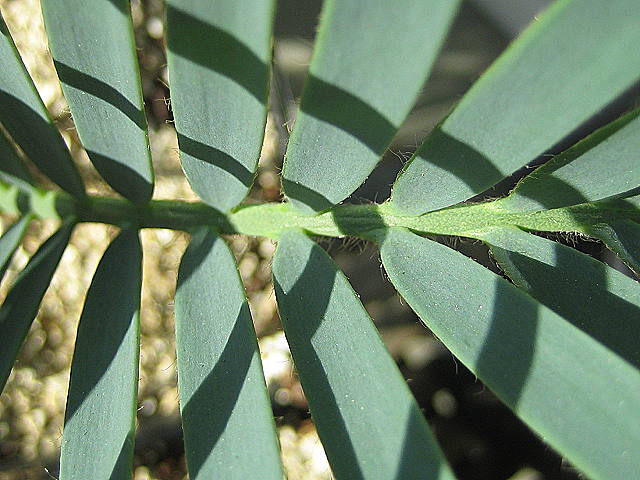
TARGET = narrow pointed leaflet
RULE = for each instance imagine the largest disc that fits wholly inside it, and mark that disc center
(21, 305)
(95, 56)
(219, 54)
(10, 240)
(599, 300)
(574, 59)
(99, 426)
(227, 419)
(567, 386)
(603, 165)
(367, 69)
(25, 118)
(367, 419)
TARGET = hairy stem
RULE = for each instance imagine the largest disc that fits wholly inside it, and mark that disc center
(368, 221)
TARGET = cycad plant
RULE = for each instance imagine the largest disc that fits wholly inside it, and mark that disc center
(558, 343)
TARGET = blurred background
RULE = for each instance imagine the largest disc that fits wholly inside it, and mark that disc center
(481, 438)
